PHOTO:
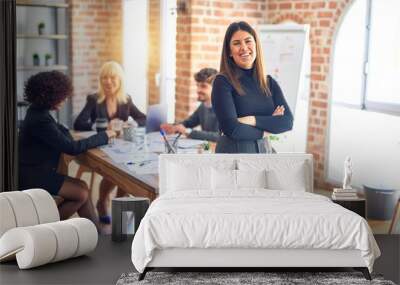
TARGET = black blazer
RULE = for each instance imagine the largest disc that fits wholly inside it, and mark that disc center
(42, 140)
(93, 110)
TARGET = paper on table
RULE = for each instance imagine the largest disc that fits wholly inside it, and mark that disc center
(188, 150)
(146, 167)
(190, 143)
(121, 151)
(142, 158)
(156, 142)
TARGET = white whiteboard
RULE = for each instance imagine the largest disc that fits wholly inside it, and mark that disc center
(287, 59)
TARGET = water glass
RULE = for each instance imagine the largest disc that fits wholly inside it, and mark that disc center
(116, 126)
(128, 132)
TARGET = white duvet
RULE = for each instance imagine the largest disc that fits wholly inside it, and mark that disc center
(250, 219)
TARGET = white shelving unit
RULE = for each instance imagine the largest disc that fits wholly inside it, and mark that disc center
(53, 41)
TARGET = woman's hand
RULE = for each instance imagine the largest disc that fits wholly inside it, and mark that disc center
(279, 111)
(251, 120)
(266, 134)
(168, 128)
(248, 120)
(180, 128)
(111, 134)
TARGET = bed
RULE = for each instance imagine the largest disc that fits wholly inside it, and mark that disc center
(246, 210)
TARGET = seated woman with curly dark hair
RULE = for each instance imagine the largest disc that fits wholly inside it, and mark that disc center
(42, 140)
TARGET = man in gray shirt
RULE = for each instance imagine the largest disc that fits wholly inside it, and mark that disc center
(204, 114)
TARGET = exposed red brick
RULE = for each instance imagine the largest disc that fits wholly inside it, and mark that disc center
(332, 5)
(325, 14)
(286, 5)
(324, 23)
(319, 104)
(318, 5)
(221, 4)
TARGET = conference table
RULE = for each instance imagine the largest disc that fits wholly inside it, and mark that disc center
(139, 185)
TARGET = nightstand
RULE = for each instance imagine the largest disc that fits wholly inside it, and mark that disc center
(120, 207)
(356, 205)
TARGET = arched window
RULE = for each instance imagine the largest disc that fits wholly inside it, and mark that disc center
(367, 57)
(365, 109)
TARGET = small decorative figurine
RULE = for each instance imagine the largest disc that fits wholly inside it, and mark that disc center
(348, 172)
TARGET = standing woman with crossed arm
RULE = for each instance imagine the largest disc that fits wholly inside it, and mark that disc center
(247, 103)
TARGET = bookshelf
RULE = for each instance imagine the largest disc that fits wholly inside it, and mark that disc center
(42, 45)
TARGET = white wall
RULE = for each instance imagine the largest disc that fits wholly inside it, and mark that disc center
(168, 14)
(135, 51)
(372, 140)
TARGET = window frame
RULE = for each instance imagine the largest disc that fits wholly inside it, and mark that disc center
(365, 104)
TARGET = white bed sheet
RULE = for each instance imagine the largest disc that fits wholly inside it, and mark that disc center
(252, 218)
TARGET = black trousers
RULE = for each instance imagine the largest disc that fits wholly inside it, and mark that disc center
(227, 145)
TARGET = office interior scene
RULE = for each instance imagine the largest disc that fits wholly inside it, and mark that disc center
(208, 141)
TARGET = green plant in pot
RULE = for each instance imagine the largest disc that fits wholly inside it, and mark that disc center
(48, 58)
(206, 147)
(36, 59)
(268, 144)
(273, 138)
(41, 27)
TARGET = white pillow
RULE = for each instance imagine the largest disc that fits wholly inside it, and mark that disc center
(223, 179)
(183, 177)
(251, 178)
(292, 179)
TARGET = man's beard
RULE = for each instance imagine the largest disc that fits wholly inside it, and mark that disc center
(201, 98)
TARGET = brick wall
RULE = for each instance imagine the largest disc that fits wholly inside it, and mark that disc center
(323, 17)
(154, 51)
(200, 33)
(96, 36)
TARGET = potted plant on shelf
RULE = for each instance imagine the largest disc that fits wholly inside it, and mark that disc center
(41, 27)
(48, 60)
(36, 59)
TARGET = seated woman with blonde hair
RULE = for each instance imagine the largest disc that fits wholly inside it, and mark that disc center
(109, 102)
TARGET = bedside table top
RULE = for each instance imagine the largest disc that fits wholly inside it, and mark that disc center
(349, 200)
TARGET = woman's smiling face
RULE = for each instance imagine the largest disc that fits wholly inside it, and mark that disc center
(111, 83)
(243, 49)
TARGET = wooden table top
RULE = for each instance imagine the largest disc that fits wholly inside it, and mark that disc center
(142, 185)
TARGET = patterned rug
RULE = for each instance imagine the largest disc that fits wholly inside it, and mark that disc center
(243, 278)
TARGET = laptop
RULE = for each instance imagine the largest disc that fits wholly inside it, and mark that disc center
(156, 115)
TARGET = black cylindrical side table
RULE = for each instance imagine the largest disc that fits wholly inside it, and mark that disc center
(137, 205)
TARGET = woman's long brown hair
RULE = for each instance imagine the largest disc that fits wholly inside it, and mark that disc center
(228, 66)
